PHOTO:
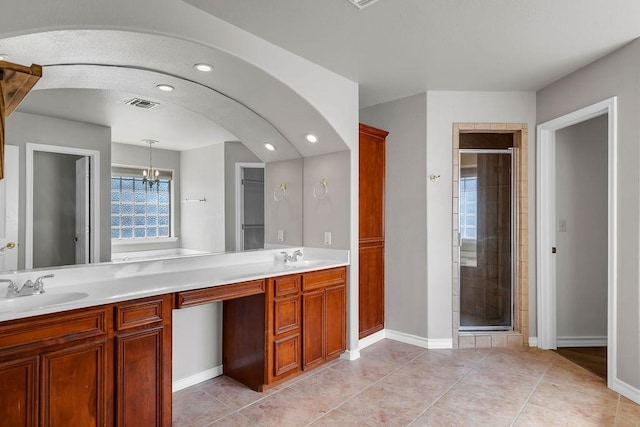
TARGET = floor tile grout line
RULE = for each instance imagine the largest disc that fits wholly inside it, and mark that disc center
(449, 389)
(526, 402)
(365, 389)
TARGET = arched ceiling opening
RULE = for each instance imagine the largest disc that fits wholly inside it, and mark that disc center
(237, 100)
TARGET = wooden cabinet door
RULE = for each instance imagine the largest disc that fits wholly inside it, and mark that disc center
(73, 386)
(371, 229)
(335, 321)
(313, 347)
(286, 354)
(19, 392)
(140, 378)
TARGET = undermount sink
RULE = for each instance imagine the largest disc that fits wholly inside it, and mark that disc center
(35, 302)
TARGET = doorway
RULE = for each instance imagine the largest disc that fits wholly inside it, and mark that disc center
(61, 206)
(487, 239)
(250, 206)
(510, 298)
(552, 227)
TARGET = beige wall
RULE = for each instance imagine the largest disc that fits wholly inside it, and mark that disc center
(405, 211)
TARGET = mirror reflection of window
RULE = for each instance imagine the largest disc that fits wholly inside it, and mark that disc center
(468, 209)
(140, 212)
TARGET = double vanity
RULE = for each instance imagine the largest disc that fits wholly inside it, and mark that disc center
(96, 347)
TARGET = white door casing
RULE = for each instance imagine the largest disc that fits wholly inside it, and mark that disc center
(9, 219)
(94, 198)
(82, 239)
(546, 230)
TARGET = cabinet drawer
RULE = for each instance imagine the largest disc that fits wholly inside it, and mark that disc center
(286, 315)
(139, 313)
(53, 329)
(219, 293)
(286, 285)
(323, 278)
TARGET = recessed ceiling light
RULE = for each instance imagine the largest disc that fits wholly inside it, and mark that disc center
(362, 3)
(165, 88)
(311, 138)
(3, 56)
(269, 147)
(205, 68)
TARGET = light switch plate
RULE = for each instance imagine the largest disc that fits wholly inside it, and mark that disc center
(280, 235)
(327, 238)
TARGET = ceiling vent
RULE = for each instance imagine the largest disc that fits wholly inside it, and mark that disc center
(361, 4)
(142, 103)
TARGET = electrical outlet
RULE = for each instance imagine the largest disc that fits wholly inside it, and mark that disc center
(327, 238)
(280, 235)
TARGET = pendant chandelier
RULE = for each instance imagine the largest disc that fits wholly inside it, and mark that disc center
(150, 176)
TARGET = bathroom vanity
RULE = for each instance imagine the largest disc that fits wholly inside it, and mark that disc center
(106, 359)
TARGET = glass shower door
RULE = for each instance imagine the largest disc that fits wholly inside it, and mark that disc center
(487, 239)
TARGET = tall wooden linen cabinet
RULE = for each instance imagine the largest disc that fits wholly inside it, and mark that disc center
(371, 233)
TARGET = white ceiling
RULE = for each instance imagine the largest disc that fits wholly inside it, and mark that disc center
(174, 128)
(396, 48)
(236, 101)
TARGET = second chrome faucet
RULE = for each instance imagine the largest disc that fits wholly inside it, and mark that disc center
(293, 257)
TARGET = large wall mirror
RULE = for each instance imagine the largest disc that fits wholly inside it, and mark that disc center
(86, 133)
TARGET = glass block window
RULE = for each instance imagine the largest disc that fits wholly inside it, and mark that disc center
(468, 207)
(140, 212)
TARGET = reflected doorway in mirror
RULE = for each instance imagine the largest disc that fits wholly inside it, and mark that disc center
(56, 228)
(249, 206)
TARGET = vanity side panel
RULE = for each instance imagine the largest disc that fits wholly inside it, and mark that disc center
(244, 333)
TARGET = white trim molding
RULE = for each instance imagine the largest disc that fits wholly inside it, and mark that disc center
(546, 234)
(626, 390)
(94, 161)
(533, 341)
(372, 339)
(428, 343)
(350, 355)
(194, 379)
(581, 341)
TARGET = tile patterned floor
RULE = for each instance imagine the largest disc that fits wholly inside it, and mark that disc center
(398, 384)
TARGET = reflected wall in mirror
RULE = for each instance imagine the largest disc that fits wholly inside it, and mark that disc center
(200, 212)
(208, 124)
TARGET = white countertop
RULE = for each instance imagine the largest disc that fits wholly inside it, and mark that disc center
(109, 283)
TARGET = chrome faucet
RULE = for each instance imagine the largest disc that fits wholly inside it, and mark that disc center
(12, 289)
(29, 288)
(293, 257)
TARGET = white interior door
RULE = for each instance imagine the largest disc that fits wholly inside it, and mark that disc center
(9, 210)
(82, 210)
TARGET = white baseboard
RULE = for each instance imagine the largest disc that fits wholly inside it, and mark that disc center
(533, 341)
(430, 343)
(407, 338)
(196, 378)
(581, 341)
(350, 355)
(372, 339)
(626, 390)
(440, 343)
